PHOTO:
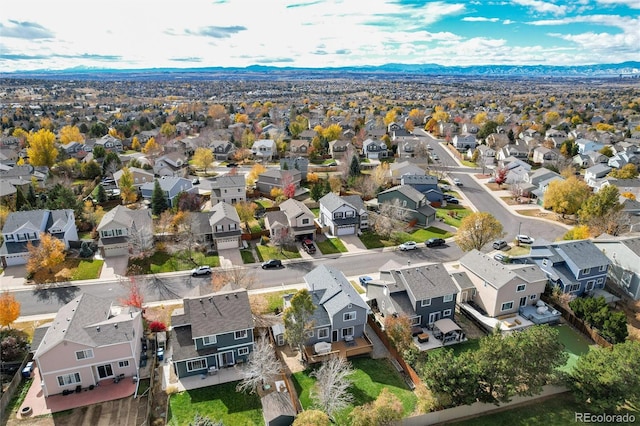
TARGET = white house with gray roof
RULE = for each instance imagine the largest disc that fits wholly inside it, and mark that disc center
(231, 189)
(90, 340)
(624, 254)
(217, 229)
(123, 231)
(343, 215)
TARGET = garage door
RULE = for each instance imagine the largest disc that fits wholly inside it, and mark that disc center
(227, 243)
(15, 259)
(347, 230)
(110, 251)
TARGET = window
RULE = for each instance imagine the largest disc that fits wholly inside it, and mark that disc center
(350, 214)
(209, 340)
(590, 285)
(219, 228)
(506, 306)
(69, 379)
(545, 262)
(602, 268)
(243, 351)
(308, 334)
(347, 331)
(323, 333)
(626, 278)
(521, 287)
(337, 215)
(416, 320)
(197, 364)
(233, 226)
(573, 287)
(533, 297)
(9, 237)
(241, 334)
(348, 316)
(87, 353)
(305, 221)
(600, 280)
(586, 271)
(123, 364)
(446, 313)
(447, 298)
(425, 302)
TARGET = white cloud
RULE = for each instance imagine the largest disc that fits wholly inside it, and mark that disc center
(479, 19)
(633, 4)
(542, 6)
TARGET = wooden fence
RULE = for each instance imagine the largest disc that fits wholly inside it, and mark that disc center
(9, 393)
(579, 324)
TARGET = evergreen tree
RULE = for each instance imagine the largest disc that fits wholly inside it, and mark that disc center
(511, 136)
(101, 195)
(316, 192)
(21, 201)
(327, 187)
(32, 199)
(158, 202)
(354, 167)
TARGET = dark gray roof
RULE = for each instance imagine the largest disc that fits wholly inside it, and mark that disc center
(462, 280)
(123, 217)
(200, 224)
(228, 181)
(419, 180)
(355, 201)
(183, 347)
(331, 289)
(274, 217)
(17, 220)
(223, 210)
(425, 282)
(583, 253)
(218, 313)
(633, 244)
(408, 191)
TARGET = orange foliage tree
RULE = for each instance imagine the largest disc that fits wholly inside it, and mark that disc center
(398, 329)
(49, 253)
(134, 294)
(9, 309)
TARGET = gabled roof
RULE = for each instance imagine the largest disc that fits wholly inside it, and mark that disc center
(332, 202)
(223, 210)
(581, 253)
(497, 274)
(228, 181)
(331, 289)
(217, 313)
(406, 190)
(294, 208)
(425, 282)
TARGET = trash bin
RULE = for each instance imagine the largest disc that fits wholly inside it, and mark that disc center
(160, 354)
(27, 370)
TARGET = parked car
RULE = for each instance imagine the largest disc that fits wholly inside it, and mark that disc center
(409, 245)
(445, 187)
(499, 244)
(448, 197)
(491, 180)
(500, 257)
(308, 246)
(453, 200)
(457, 182)
(524, 239)
(364, 280)
(434, 242)
(230, 164)
(435, 157)
(272, 263)
(27, 371)
(201, 270)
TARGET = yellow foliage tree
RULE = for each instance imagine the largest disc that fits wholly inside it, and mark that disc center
(552, 118)
(629, 195)
(604, 127)
(580, 232)
(46, 123)
(20, 161)
(9, 309)
(135, 144)
(417, 116)
(390, 117)
(20, 133)
(128, 192)
(42, 150)
(476, 230)
(256, 170)
(565, 197)
(49, 253)
(439, 114)
(332, 132)
(217, 112)
(312, 177)
(151, 146)
(202, 158)
(480, 118)
(70, 134)
(167, 130)
(380, 174)
(114, 132)
(242, 118)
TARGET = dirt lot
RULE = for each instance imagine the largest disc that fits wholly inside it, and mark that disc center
(122, 412)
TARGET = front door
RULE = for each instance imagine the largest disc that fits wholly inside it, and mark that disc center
(334, 336)
(105, 371)
(226, 359)
(433, 317)
(463, 296)
(523, 301)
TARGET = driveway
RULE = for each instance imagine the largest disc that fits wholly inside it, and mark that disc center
(353, 243)
(230, 257)
(114, 267)
(13, 278)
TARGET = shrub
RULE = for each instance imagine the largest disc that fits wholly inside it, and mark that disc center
(157, 326)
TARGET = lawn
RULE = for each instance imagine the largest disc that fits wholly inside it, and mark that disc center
(87, 269)
(264, 203)
(219, 403)
(331, 246)
(430, 232)
(460, 213)
(369, 378)
(247, 256)
(575, 345)
(161, 261)
(69, 270)
(267, 303)
(315, 211)
(358, 287)
(371, 240)
(271, 252)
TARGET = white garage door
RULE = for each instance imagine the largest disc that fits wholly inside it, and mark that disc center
(346, 230)
(15, 259)
(110, 251)
(227, 243)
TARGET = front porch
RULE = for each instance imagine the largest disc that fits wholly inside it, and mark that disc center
(344, 349)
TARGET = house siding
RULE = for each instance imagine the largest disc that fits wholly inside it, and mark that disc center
(437, 305)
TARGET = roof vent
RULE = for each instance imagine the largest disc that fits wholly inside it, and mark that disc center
(201, 301)
(211, 300)
(227, 297)
(98, 328)
(115, 325)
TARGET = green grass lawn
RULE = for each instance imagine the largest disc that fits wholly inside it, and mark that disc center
(161, 261)
(247, 256)
(575, 345)
(264, 203)
(369, 378)
(219, 403)
(371, 240)
(422, 235)
(358, 287)
(331, 246)
(271, 252)
(268, 302)
(84, 235)
(315, 211)
(88, 269)
(461, 212)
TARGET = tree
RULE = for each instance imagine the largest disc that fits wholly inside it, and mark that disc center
(135, 144)
(398, 329)
(134, 297)
(111, 164)
(501, 176)
(21, 201)
(128, 192)
(580, 232)
(151, 147)
(246, 212)
(42, 150)
(9, 309)
(158, 201)
(331, 390)
(167, 130)
(47, 254)
(312, 418)
(14, 345)
(599, 205)
(386, 410)
(157, 326)
(98, 130)
(390, 216)
(90, 170)
(262, 367)
(202, 158)
(451, 377)
(354, 167)
(317, 192)
(297, 318)
(70, 134)
(189, 202)
(99, 152)
(628, 171)
(606, 379)
(565, 197)
(380, 174)
(255, 171)
(101, 194)
(232, 278)
(476, 230)
(607, 150)
(283, 238)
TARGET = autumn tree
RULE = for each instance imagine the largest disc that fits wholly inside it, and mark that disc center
(135, 144)
(297, 318)
(9, 309)
(565, 197)
(151, 147)
(232, 278)
(390, 117)
(48, 253)
(312, 417)
(330, 393)
(398, 329)
(70, 134)
(416, 116)
(246, 212)
(476, 230)
(628, 171)
(42, 150)
(202, 158)
(580, 232)
(134, 297)
(390, 216)
(600, 207)
(262, 367)
(111, 164)
(386, 410)
(255, 171)
(128, 192)
(501, 176)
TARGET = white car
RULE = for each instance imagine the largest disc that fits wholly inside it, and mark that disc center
(409, 245)
(457, 182)
(201, 270)
(524, 239)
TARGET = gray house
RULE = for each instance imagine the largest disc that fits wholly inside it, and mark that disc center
(425, 184)
(122, 230)
(170, 185)
(218, 229)
(425, 294)
(624, 254)
(374, 149)
(231, 189)
(273, 178)
(211, 332)
(340, 311)
(343, 215)
(414, 203)
(222, 150)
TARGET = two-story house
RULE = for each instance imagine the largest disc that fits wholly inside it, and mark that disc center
(264, 149)
(299, 219)
(90, 340)
(140, 177)
(343, 215)
(299, 147)
(217, 229)
(222, 150)
(123, 231)
(109, 143)
(502, 289)
(397, 169)
(280, 179)
(171, 164)
(211, 332)
(231, 189)
(412, 204)
(594, 174)
(425, 184)
(25, 227)
(425, 294)
(296, 163)
(339, 148)
(575, 267)
(171, 186)
(464, 142)
(586, 145)
(624, 254)
(375, 149)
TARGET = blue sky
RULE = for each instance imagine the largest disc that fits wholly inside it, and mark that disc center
(50, 34)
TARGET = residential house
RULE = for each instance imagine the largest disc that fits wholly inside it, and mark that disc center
(343, 215)
(140, 177)
(409, 147)
(123, 231)
(339, 312)
(89, 341)
(397, 169)
(307, 134)
(23, 227)
(74, 149)
(413, 203)
(231, 189)
(502, 289)
(338, 149)
(447, 129)
(300, 147)
(222, 150)
(596, 157)
(581, 160)
(374, 149)
(470, 128)
(544, 155)
(217, 229)
(585, 146)
(211, 332)
(25, 173)
(109, 143)
(464, 142)
(427, 185)
(594, 173)
(621, 159)
(300, 220)
(296, 163)
(264, 149)
(171, 164)
(487, 155)
(575, 267)
(624, 254)
(518, 150)
(171, 186)
(280, 179)
(425, 294)
(625, 186)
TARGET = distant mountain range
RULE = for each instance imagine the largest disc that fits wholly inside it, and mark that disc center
(625, 70)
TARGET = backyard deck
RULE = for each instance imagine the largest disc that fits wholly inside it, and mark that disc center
(359, 346)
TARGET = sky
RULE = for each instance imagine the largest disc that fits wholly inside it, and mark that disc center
(132, 34)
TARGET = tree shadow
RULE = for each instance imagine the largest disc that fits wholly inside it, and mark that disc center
(161, 288)
(303, 266)
(61, 293)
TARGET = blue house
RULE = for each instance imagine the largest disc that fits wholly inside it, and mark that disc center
(171, 186)
(425, 184)
(211, 332)
(575, 267)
